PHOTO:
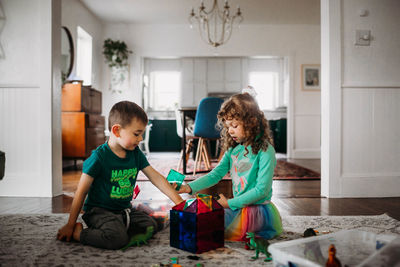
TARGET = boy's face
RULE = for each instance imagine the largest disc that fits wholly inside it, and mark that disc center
(235, 130)
(131, 135)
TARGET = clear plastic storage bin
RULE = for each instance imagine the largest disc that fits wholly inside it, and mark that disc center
(352, 248)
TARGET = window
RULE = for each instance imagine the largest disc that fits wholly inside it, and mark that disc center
(164, 92)
(267, 88)
(268, 76)
(84, 56)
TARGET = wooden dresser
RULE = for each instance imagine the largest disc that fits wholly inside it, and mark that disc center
(81, 120)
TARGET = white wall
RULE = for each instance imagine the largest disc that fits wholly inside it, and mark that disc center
(30, 83)
(75, 14)
(300, 43)
(361, 133)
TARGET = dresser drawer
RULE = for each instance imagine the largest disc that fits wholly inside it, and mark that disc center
(95, 121)
(76, 97)
(78, 139)
(95, 101)
(73, 134)
(94, 138)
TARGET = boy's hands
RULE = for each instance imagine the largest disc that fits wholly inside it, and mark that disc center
(184, 188)
(65, 232)
(223, 201)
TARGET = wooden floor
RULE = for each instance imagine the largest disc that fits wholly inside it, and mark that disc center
(291, 198)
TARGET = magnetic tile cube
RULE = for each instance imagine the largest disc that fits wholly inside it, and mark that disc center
(197, 225)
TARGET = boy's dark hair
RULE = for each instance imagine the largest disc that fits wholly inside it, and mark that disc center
(123, 112)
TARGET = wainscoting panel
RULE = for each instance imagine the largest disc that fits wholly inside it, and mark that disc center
(307, 133)
(374, 185)
(371, 132)
(19, 139)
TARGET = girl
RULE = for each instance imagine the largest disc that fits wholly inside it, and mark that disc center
(250, 159)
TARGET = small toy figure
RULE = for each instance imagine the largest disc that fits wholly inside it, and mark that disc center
(312, 250)
(174, 260)
(139, 239)
(332, 260)
(260, 245)
(309, 232)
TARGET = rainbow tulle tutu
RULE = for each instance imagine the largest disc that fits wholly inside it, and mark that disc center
(263, 220)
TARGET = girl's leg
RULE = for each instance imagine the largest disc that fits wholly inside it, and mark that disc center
(229, 216)
(272, 224)
(105, 229)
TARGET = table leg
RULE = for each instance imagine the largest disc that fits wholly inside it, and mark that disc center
(183, 143)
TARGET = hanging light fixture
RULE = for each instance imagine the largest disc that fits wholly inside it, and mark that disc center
(215, 25)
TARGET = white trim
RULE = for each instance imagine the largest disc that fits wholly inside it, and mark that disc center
(290, 106)
(389, 187)
(8, 86)
(306, 153)
(363, 85)
(370, 175)
(331, 97)
(307, 115)
(30, 188)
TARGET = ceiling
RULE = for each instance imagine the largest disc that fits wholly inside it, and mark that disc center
(177, 11)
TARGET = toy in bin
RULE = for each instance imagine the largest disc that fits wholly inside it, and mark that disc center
(175, 177)
(197, 224)
(350, 247)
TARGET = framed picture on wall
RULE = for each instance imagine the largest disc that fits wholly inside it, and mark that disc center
(310, 77)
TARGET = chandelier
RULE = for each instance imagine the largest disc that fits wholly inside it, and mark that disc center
(215, 25)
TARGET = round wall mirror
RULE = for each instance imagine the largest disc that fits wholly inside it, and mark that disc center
(67, 53)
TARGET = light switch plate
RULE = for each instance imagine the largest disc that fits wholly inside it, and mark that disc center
(363, 37)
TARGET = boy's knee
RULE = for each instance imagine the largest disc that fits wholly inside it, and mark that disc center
(116, 240)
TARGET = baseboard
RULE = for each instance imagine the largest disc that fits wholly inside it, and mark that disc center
(24, 185)
(368, 187)
(306, 154)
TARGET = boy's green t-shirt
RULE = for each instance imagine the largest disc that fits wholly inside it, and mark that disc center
(114, 177)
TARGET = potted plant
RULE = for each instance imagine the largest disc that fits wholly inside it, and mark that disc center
(116, 53)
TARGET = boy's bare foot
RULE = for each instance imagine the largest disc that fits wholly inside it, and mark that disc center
(77, 231)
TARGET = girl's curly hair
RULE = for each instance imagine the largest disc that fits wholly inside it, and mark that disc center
(244, 108)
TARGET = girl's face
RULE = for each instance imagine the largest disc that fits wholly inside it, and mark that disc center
(131, 135)
(235, 130)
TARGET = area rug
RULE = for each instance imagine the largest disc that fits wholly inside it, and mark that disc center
(30, 240)
(283, 171)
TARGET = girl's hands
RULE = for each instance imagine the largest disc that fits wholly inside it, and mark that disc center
(223, 201)
(184, 188)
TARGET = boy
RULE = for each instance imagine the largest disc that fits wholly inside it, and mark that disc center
(108, 179)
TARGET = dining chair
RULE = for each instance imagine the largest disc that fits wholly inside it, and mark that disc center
(144, 144)
(189, 136)
(205, 129)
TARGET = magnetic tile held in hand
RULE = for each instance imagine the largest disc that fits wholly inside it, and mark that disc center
(175, 177)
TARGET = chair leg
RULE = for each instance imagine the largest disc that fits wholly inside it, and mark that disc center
(180, 160)
(198, 154)
(146, 146)
(206, 156)
(188, 149)
(203, 159)
(187, 154)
